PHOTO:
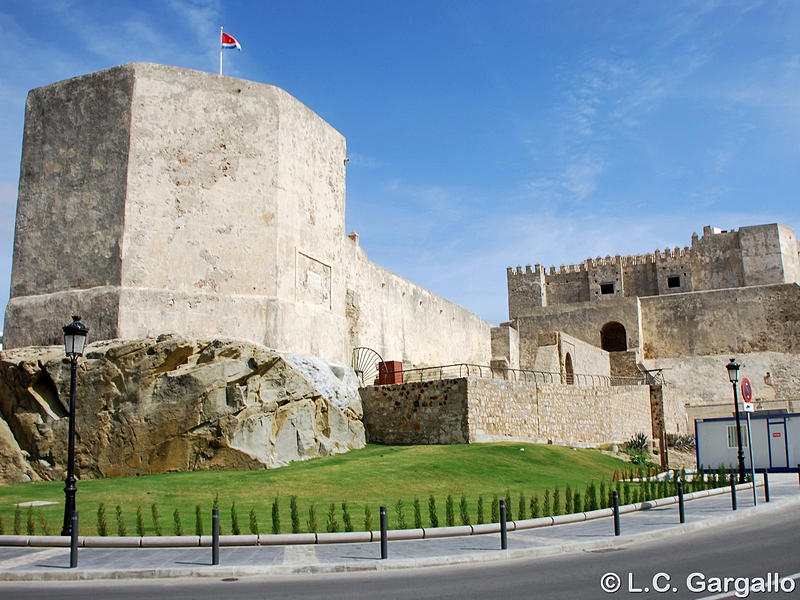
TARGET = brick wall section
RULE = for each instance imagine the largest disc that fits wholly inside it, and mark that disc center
(478, 410)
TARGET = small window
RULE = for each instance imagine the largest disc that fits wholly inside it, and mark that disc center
(674, 281)
(606, 288)
(732, 441)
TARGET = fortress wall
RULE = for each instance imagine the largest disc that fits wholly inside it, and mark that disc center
(790, 252)
(567, 286)
(677, 263)
(607, 270)
(482, 410)
(526, 290)
(640, 278)
(56, 206)
(584, 321)
(737, 321)
(586, 358)
(716, 261)
(403, 321)
(762, 259)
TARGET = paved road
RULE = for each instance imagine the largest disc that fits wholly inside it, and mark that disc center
(765, 542)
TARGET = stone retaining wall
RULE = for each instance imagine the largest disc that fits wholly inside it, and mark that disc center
(465, 410)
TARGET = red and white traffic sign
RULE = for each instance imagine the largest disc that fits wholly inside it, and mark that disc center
(747, 395)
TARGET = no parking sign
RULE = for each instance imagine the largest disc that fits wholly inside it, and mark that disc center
(747, 395)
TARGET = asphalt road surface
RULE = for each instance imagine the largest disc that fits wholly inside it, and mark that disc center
(694, 566)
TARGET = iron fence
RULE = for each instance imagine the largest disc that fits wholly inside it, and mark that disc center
(460, 370)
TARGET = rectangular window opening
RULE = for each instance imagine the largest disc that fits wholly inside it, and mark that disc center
(606, 288)
(732, 442)
(674, 281)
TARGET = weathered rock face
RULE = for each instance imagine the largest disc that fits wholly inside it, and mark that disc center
(172, 404)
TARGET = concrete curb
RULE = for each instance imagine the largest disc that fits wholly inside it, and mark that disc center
(193, 541)
(392, 564)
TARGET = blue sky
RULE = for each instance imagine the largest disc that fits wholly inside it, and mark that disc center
(481, 134)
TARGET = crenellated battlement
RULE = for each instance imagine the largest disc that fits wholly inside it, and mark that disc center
(717, 260)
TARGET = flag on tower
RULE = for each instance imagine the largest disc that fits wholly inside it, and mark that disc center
(228, 41)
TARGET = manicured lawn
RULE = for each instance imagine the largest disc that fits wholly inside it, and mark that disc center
(370, 477)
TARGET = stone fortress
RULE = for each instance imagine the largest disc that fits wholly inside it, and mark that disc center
(192, 209)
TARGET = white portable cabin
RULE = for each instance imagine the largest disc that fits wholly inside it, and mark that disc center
(775, 437)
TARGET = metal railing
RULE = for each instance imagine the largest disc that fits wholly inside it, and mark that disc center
(460, 370)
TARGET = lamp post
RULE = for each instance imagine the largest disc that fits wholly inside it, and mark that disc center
(733, 374)
(74, 341)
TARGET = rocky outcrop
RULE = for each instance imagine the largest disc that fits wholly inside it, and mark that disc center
(172, 404)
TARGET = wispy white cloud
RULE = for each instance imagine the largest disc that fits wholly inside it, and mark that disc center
(364, 161)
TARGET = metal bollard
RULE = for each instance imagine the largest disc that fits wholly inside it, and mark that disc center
(73, 541)
(503, 530)
(215, 536)
(766, 486)
(681, 507)
(615, 506)
(733, 491)
(798, 473)
(384, 541)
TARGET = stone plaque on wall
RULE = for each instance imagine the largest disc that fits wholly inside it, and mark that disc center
(313, 281)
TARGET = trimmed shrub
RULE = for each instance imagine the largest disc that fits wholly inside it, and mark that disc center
(235, 520)
(536, 510)
(198, 521)
(332, 525)
(417, 514)
(556, 502)
(312, 518)
(434, 518)
(122, 531)
(156, 520)
(495, 509)
(576, 503)
(462, 508)
(348, 522)
(102, 525)
(176, 519)
(294, 514)
(139, 521)
(44, 526)
(367, 518)
(276, 517)
(449, 511)
(17, 521)
(30, 526)
(253, 521)
(547, 511)
(567, 500)
(509, 512)
(481, 518)
(522, 507)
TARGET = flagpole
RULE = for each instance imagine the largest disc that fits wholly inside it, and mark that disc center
(220, 49)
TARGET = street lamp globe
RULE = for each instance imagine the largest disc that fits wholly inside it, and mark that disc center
(75, 337)
(733, 370)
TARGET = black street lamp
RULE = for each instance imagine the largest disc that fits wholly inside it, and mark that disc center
(733, 374)
(74, 341)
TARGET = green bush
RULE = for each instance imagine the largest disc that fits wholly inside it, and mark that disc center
(139, 521)
(295, 515)
(576, 503)
(176, 519)
(495, 509)
(522, 507)
(400, 514)
(417, 514)
(332, 525)
(156, 521)
(462, 506)
(17, 520)
(198, 521)
(432, 516)
(481, 516)
(536, 510)
(348, 522)
(102, 525)
(31, 526)
(312, 518)
(567, 501)
(556, 502)
(276, 517)
(547, 511)
(509, 512)
(44, 526)
(367, 518)
(122, 531)
(449, 511)
(253, 521)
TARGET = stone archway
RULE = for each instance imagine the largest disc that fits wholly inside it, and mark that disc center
(569, 369)
(613, 337)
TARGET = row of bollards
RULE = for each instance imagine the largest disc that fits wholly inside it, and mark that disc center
(73, 550)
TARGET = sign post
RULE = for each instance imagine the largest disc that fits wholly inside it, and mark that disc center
(747, 397)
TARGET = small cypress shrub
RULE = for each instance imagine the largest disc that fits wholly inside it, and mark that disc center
(590, 498)
(604, 503)
(235, 519)
(30, 526)
(495, 509)
(400, 514)
(216, 501)
(417, 514)
(139, 521)
(626, 493)
(567, 500)
(509, 512)
(367, 518)
(122, 531)
(2, 527)
(44, 526)
(536, 510)
(276, 517)
(547, 511)
(294, 514)
(481, 518)
(332, 525)
(557, 502)
(576, 502)
(17, 521)
(176, 522)
(462, 507)
(156, 521)
(635, 496)
(664, 489)
(434, 518)
(348, 522)
(253, 521)
(102, 525)
(312, 518)
(198, 521)
(449, 511)
(522, 507)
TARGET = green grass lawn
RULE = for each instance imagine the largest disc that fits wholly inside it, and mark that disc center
(370, 477)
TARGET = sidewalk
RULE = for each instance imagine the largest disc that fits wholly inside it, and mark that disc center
(29, 563)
